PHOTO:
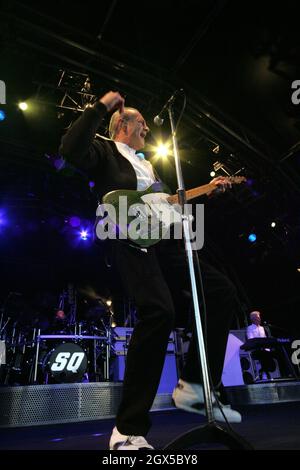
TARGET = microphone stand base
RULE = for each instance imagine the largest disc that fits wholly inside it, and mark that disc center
(209, 433)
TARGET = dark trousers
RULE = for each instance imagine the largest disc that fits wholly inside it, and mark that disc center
(145, 281)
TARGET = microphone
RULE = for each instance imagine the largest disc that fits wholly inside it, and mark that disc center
(158, 120)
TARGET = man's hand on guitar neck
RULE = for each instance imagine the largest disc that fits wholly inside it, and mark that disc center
(219, 184)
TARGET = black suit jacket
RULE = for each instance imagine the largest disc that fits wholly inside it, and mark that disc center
(96, 156)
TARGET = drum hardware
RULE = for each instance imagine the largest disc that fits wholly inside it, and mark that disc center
(2, 328)
(28, 348)
(108, 328)
(2, 352)
(13, 338)
(1, 319)
(108, 352)
(66, 363)
(28, 353)
(65, 340)
(19, 354)
(64, 320)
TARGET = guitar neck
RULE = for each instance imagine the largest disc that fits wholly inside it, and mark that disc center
(192, 193)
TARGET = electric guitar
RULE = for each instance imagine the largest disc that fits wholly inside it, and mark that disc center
(145, 217)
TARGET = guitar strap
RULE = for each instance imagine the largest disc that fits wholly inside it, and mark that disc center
(156, 175)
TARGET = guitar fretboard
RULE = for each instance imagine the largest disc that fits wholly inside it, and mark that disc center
(192, 193)
(205, 189)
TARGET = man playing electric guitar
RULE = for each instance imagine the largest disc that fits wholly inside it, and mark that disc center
(114, 165)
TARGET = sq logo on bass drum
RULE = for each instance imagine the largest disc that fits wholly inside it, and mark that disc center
(66, 363)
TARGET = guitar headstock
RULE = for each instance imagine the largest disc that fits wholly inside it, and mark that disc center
(221, 183)
(235, 179)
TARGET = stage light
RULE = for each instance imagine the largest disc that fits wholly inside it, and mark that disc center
(252, 237)
(57, 161)
(23, 106)
(212, 174)
(3, 219)
(162, 151)
(109, 303)
(84, 234)
(92, 184)
(2, 115)
(273, 224)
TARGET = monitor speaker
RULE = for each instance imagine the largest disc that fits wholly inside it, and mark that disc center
(251, 368)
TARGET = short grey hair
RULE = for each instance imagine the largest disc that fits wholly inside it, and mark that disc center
(253, 314)
(117, 117)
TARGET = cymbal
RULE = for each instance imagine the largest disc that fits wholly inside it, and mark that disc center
(90, 293)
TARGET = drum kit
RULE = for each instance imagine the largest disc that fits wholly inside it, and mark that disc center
(45, 343)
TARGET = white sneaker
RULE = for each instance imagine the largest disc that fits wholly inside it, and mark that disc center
(119, 441)
(190, 397)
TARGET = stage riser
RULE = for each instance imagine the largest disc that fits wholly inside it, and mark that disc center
(261, 394)
(51, 404)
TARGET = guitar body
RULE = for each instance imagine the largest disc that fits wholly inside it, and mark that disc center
(145, 217)
(134, 196)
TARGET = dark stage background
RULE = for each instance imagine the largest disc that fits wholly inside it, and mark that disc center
(236, 62)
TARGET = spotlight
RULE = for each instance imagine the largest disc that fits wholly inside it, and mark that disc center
(162, 151)
(252, 237)
(3, 219)
(84, 235)
(23, 106)
(108, 303)
(2, 115)
(273, 224)
(57, 161)
(92, 184)
(212, 174)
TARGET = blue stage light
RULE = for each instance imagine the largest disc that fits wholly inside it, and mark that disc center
(2, 115)
(84, 234)
(252, 237)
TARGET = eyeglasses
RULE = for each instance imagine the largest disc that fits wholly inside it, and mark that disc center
(142, 122)
(139, 121)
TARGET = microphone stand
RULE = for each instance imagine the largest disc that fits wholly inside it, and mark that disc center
(211, 432)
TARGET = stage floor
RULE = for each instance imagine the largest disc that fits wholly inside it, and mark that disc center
(268, 427)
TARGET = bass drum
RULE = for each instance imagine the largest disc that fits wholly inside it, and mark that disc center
(66, 363)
